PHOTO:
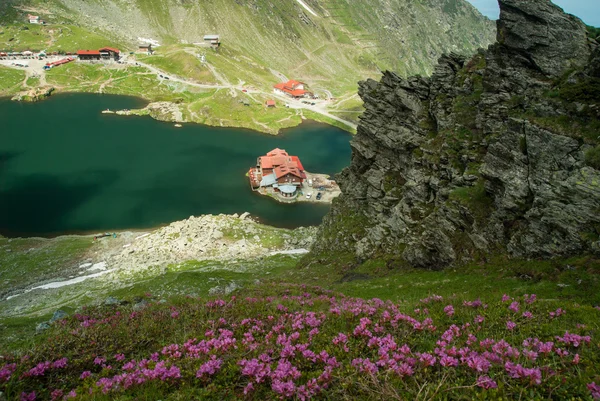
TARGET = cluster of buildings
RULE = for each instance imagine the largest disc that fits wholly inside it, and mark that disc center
(279, 171)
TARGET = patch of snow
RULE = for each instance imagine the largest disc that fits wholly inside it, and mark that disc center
(142, 236)
(126, 245)
(83, 266)
(98, 266)
(290, 252)
(59, 284)
(151, 41)
(303, 4)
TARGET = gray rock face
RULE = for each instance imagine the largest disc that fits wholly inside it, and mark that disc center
(542, 33)
(477, 158)
(40, 328)
(58, 315)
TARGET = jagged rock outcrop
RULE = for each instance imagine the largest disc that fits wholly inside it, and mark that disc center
(488, 155)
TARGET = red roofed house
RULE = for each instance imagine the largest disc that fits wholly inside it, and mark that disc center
(88, 54)
(290, 88)
(270, 103)
(109, 53)
(34, 19)
(277, 169)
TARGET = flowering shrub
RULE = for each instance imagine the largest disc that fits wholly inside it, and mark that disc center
(302, 344)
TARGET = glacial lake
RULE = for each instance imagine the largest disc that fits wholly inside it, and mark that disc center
(67, 168)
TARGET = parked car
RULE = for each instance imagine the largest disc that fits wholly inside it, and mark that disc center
(308, 195)
(244, 90)
(319, 196)
(166, 77)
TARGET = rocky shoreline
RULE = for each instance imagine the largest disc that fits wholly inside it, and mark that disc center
(112, 263)
(34, 95)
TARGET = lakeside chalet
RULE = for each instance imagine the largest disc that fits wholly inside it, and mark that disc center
(278, 171)
(106, 53)
(292, 88)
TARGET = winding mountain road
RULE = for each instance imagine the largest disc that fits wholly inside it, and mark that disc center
(294, 104)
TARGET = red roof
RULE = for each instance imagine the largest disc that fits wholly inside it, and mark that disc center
(296, 160)
(270, 102)
(110, 49)
(88, 52)
(282, 163)
(59, 62)
(273, 161)
(290, 88)
(282, 171)
(277, 151)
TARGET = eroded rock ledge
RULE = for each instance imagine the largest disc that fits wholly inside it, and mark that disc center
(492, 154)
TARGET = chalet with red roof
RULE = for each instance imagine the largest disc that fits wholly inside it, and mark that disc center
(106, 53)
(279, 171)
(291, 88)
(34, 19)
(88, 55)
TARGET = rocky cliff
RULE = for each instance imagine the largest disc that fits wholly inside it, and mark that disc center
(497, 153)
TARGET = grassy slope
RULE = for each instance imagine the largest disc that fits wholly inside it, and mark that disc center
(10, 80)
(59, 37)
(148, 331)
(25, 261)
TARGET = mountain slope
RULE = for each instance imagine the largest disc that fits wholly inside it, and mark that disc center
(494, 154)
(344, 41)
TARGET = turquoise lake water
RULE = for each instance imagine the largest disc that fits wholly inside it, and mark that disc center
(66, 168)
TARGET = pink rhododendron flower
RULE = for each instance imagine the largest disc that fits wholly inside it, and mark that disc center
(505, 298)
(56, 394)
(595, 390)
(514, 306)
(528, 315)
(28, 396)
(209, 368)
(7, 371)
(557, 313)
(511, 325)
(99, 360)
(85, 375)
(486, 382)
(449, 310)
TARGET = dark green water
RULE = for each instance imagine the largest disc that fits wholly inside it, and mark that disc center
(65, 167)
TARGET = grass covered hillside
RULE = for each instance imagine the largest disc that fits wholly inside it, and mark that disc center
(335, 38)
(279, 327)
(277, 341)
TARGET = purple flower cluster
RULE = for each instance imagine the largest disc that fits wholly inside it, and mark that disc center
(283, 352)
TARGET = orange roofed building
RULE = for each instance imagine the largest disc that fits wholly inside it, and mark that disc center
(291, 88)
(278, 170)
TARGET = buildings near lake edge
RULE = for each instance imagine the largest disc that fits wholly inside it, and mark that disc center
(278, 172)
